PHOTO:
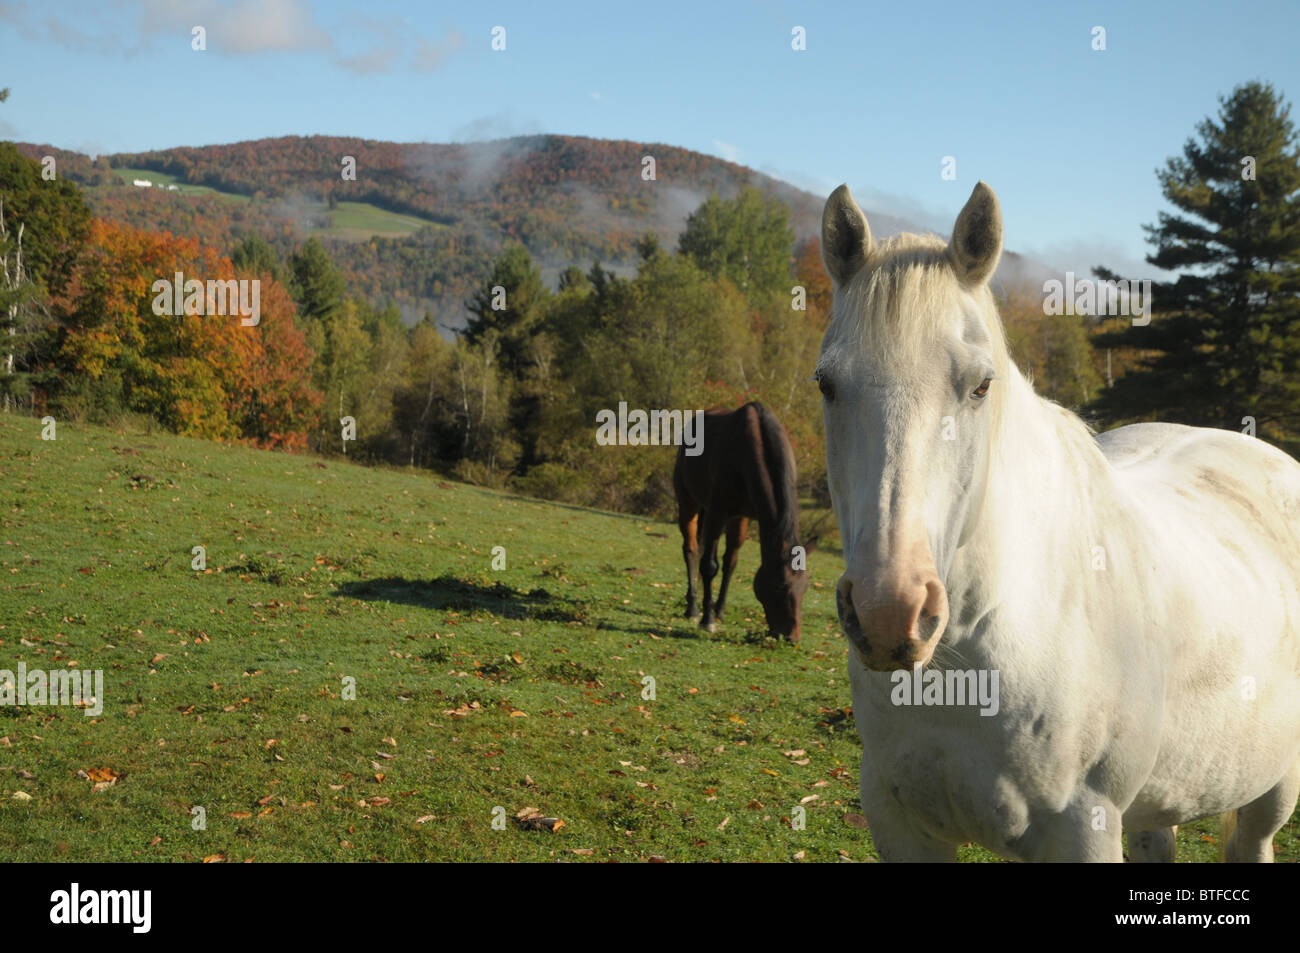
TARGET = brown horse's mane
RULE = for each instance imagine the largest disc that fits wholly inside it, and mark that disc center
(780, 463)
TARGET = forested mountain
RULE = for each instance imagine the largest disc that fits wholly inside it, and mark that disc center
(690, 304)
(564, 198)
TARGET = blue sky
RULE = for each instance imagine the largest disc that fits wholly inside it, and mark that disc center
(1068, 136)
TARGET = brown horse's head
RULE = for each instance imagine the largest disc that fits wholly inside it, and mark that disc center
(780, 588)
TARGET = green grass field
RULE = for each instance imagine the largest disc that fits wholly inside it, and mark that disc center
(476, 689)
(182, 188)
(356, 221)
(350, 221)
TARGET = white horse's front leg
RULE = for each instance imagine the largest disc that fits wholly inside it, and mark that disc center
(1152, 847)
(897, 837)
(897, 844)
(1086, 832)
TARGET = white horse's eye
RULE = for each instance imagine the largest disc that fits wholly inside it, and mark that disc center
(825, 386)
(983, 390)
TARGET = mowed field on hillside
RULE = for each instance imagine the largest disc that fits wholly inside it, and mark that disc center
(351, 221)
(476, 689)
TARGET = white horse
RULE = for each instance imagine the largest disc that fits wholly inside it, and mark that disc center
(1134, 596)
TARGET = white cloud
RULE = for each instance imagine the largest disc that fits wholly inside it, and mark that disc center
(431, 56)
(809, 183)
(727, 150)
(1082, 255)
(235, 28)
(247, 26)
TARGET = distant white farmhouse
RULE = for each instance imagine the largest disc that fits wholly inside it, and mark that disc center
(142, 183)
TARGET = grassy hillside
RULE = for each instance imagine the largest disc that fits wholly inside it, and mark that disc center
(128, 176)
(350, 221)
(475, 688)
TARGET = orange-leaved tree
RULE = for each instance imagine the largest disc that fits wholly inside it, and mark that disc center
(203, 374)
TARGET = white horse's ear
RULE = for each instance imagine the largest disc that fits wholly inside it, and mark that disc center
(846, 238)
(976, 242)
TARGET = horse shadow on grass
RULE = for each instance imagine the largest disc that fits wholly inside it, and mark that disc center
(452, 594)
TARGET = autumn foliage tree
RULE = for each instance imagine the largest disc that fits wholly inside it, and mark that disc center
(201, 375)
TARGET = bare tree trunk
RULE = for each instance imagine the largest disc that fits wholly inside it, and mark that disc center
(464, 401)
(13, 281)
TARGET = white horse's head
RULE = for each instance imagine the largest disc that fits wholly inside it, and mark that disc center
(909, 372)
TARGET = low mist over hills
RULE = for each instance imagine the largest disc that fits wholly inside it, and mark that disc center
(421, 222)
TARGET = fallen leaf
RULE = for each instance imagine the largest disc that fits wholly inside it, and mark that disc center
(856, 820)
(103, 778)
(530, 818)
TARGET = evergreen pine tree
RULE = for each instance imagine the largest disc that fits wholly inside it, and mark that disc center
(1223, 343)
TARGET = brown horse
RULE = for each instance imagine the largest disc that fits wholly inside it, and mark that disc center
(746, 471)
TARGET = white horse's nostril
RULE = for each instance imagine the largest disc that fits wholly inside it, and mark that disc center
(849, 623)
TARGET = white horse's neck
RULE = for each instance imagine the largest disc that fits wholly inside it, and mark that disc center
(1038, 518)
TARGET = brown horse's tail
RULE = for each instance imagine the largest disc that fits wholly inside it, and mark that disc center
(1227, 827)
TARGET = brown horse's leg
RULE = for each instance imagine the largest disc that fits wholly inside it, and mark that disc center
(689, 524)
(712, 529)
(688, 521)
(735, 538)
